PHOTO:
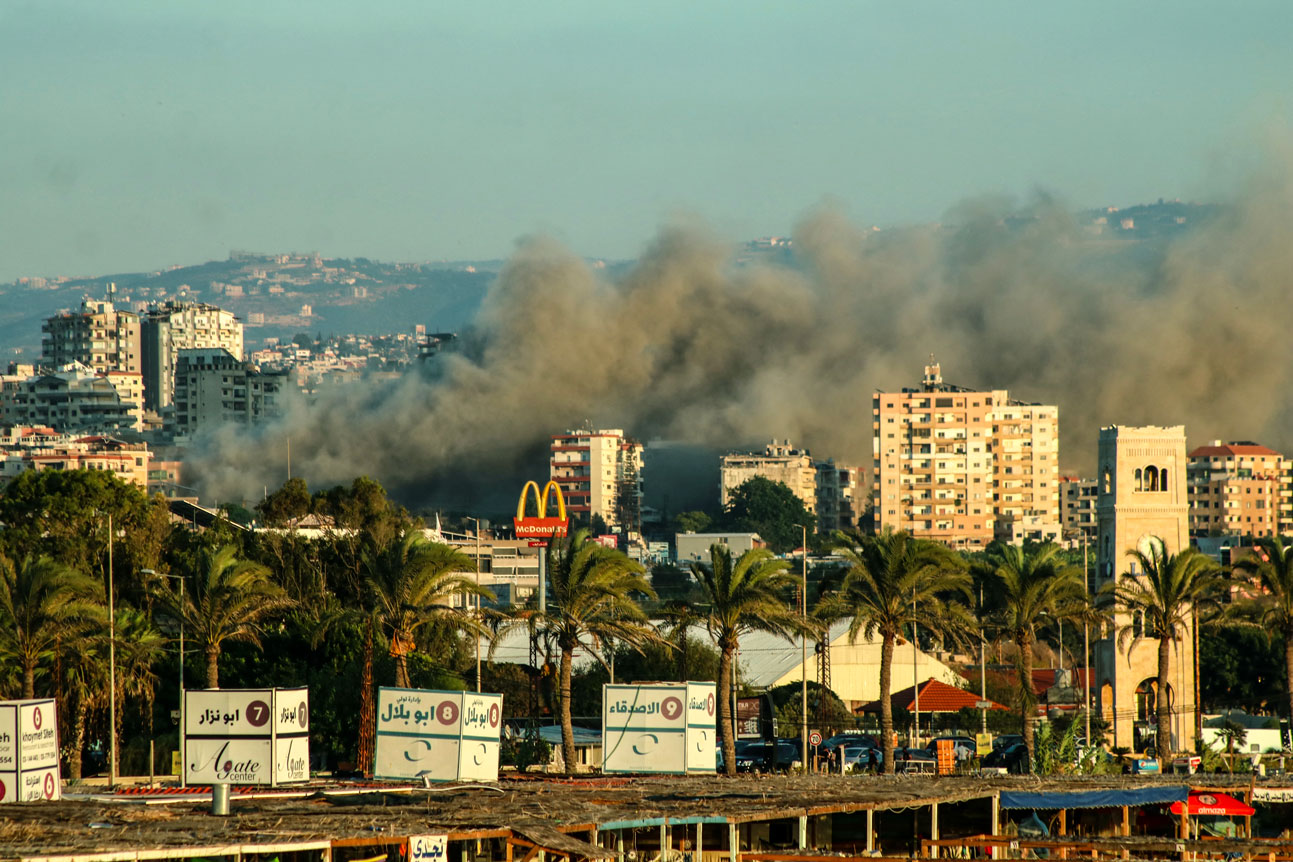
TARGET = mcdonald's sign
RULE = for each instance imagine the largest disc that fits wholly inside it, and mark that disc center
(541, 526)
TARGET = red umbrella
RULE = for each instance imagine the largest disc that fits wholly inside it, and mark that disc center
(1213, 804)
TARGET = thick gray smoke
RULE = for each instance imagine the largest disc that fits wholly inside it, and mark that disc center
(691, 345)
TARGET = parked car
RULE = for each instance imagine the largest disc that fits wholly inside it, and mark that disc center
(1013, 758)
(1006, 740)
(962, 746)
(829, 751)
(779, 755)
(861, 758)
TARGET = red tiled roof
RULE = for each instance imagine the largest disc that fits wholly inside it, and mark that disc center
(1231, 449)
(935, 696)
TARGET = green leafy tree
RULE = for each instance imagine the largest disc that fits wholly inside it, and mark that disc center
(41, 602)
(64, 515)
(1035, 587)
(225, 599)
(414, 582)
(692, 522)
(895, 581)
(289, 503)
(748, 595)
(1272, 565)
(770, 509)
(592, 599)
(1164, 592)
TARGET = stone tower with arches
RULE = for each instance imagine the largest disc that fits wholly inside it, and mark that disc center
(1142, 499)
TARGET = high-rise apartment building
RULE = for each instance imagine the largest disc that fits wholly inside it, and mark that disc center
(214, 387)
(170, 327)
(600, 473)
(97, 336)
(841, 496)
(961, 466)
(1142, 506)
(1239, 489)
(1077, 508)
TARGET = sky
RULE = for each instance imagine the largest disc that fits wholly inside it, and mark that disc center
(136, 135)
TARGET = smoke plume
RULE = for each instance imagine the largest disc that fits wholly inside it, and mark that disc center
(691, 344)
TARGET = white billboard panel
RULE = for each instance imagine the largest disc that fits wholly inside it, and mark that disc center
(702, 730)
(644, 728)
(29, 751)
(437, 735)
(246, 736)
(482, 720)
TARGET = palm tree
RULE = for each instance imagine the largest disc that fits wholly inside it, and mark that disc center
(41, 600)
(226, 599)
(894, 581)
(139, 647)
(413, 582)
(592, 588)
(1273, 566)
(749, 595)
(1033, 587)
(1160, 599)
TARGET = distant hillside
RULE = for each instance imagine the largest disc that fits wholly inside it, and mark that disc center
(273, 295)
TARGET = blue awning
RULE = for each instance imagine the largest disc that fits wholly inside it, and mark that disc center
(1096, 798)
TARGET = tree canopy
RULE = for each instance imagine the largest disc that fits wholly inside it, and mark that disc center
(770, 509)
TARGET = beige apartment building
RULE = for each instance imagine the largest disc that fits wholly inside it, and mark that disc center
(1239, 488)
(97, 336)
(963, 466)
(599, 473)
(1142, 501)
(778, 462)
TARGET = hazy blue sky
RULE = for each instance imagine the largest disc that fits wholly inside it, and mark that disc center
(134, 135)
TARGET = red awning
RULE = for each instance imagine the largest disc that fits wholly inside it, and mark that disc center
(1208, 804)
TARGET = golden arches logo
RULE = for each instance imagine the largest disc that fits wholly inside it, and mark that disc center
(541, 499)
(540, 525)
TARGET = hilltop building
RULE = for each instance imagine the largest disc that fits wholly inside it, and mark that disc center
(97, 336)
(1239, 488)
(1141, 502)
(963, 466)
(832, 492)
(212, 387)
(167, 328)
(600, 473)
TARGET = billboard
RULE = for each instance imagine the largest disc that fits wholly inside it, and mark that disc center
(29, 751)
(247, 736)
(437, 735)
(659, 727)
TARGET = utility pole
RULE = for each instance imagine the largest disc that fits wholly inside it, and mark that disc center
(915, 674)
(1086, 640)
(983, 665)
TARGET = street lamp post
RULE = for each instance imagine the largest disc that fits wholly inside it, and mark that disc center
(112, 666)
(803, 641)
(476, 523)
